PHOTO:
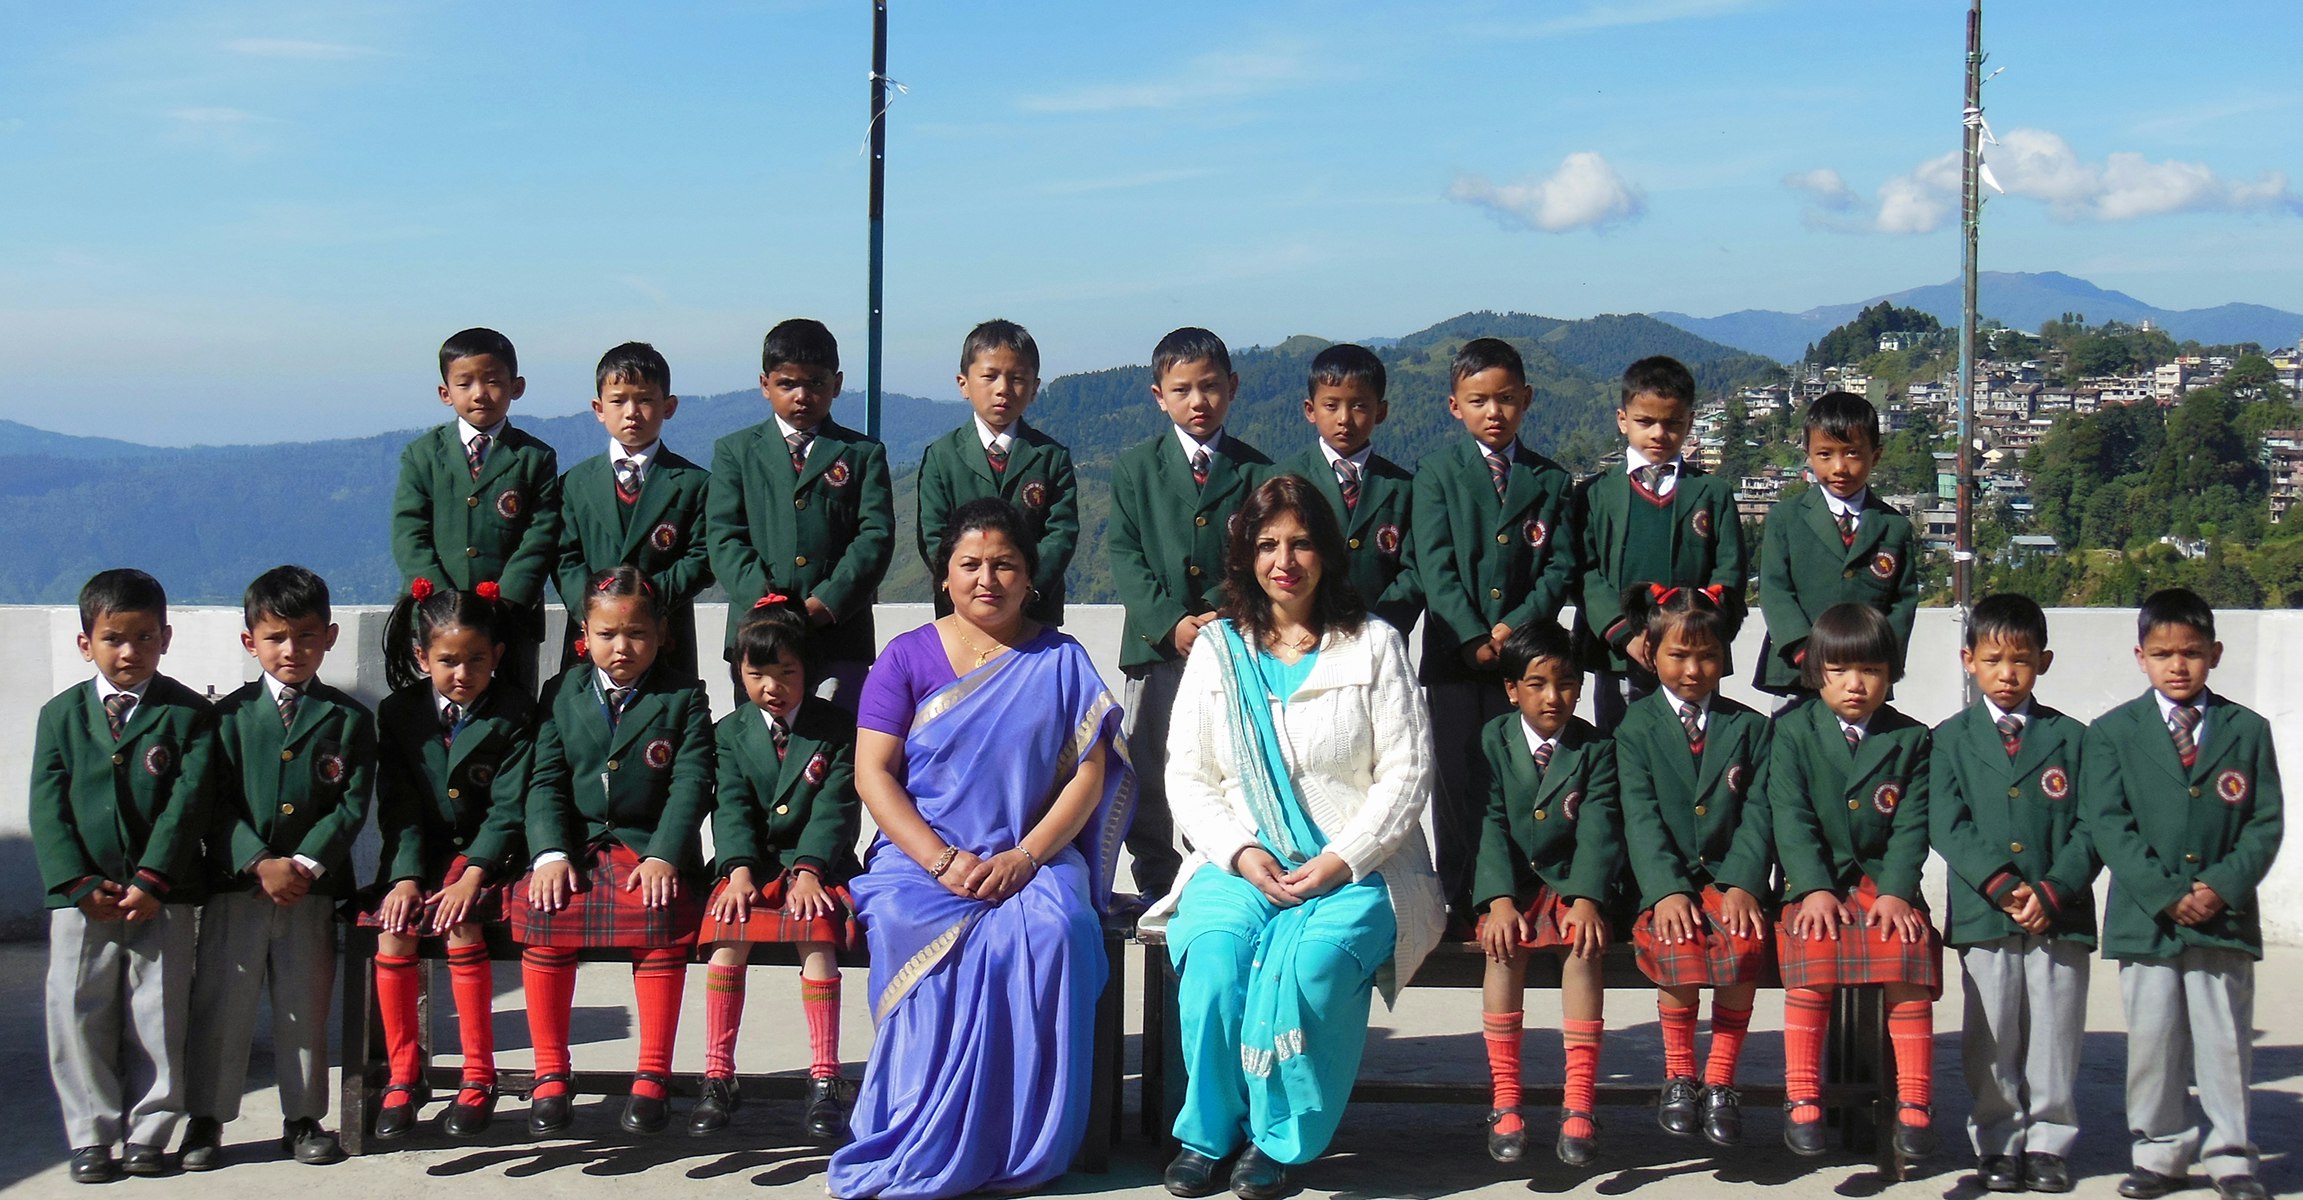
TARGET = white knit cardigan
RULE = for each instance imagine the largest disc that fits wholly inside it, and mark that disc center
(1357, 740)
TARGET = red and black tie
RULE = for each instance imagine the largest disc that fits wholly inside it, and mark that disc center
(1199, 465)
(628, 481)
(1691, 720)
(116, 708)
(797, 442)
(2183, 726)
(1846, 528)
(1854, 739)
(476, 452)
(781, 736)
(1543, 757)
(2010, 733)
(1347, 482)
(995, 454)
(288, 696)
(1499, 470)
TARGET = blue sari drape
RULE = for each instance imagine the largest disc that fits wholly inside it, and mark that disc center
(979, 1073)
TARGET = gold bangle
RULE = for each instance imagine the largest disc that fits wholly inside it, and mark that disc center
(944, 863)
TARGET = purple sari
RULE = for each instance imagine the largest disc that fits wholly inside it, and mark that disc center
(979, 1072)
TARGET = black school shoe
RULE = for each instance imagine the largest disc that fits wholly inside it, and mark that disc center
(1190, 1174)
(93, 1164)
(827, 1114)
(2143, 1183)
(2046, 1173)
(1914, 1141)
(303, 1140)
(719, 1101)
(2000, 1173)
(203, 1148)
(2241, 1187)
(136, 1158)
(648, 1114)
(1675, 1110)
(1258, 1176)
(1576, 1151)
(1722, 1115)
(1804, 1137)
(393, 1121)
(548, 1115)
(468, 1117)
(1505, 1147)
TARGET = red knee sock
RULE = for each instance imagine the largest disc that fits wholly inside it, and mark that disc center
(473, 980)
(1504, 1033)
(1582, 1091)
(1806, 1017)
(1911, 1027)
(549, 976)
(1678, 1040)
(820, 1000)
(659, 975)
(1728, 1029)
(396, 988)
(723, 1013)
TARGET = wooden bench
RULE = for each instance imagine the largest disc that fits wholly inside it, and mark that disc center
(366, 1072)
(1859, 1062)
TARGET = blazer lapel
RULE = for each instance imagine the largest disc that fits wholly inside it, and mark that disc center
(1222, 475)
(309, 714)
(657, 490)
(2158, 743)
(1826, 530)
(1566, 764)
(2036, 744)
(823, 451)
(1720, 741)
(972, 452)
(2212, 752)
(797, 751)
(1870, 528)
(638, 716)
(501, 453)
(1519, 490)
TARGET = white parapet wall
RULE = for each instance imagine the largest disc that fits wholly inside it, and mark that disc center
(2094, 670)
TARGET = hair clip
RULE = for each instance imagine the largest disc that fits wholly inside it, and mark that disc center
(1661, 593)
(1717, 592)
(770, 600)
(490, 591)
(420, 590)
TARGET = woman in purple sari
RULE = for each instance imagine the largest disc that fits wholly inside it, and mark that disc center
(987, 750)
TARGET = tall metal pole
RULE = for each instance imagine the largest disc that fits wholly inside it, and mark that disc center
(1971, 210)
(879, 131)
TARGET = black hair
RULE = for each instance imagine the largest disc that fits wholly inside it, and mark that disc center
(1846, 634)
(1486, 354)
(1658, 375)
(999, 334)
(1844, 416)
(619, 581)
(988, 514)
(1189, 344)
(2174, 606)
(1336, 605)
(771, 630)
(413, 622)
(1693, 611)
(801, 342)
(289, 593)
(2007, 617)
(121, 590)
(474, 342)
(632, 362)
(1533, 642)
(1345, 363)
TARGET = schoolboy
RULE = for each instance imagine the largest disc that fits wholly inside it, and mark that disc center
(479, 501)
(1494, 550)
(1834, 543)
(118, 803)
(295, 764)
(1659, 520)
(1371, 494)
(1173, 497)
(999, 455)
(2181, 794)
(800, 505)
(1550, 847)
(639, 503)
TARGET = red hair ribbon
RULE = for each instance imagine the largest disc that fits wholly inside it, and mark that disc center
(771, 599)
(607, 582)
(1716, 593)
(421, 589)
(490, 591)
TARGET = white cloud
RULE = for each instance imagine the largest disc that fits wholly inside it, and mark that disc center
(1206, 79)
(1586, 192)
(293, 48)
(1823, 183)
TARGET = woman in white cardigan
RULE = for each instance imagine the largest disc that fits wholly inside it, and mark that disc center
(1299, 764)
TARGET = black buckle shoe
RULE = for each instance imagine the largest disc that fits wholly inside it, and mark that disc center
(1675, 1109)
(393, 1121)
(827, 1111)
(1258, 1176)
(303, 1140)
(93, 1164)
(1804, 1137)
(1721, 1115)
(136, 1158)
(203, 1148)
(2240, 1187)
(2046, 1172)
(1190, 1174)
(1505, 1147)
(2143, 1183)
(648, 1114)
(1576, 1151)
(1914, 1141)
(469, 1118)
(719, 1101)
(2000, 1173)
(548, 1115)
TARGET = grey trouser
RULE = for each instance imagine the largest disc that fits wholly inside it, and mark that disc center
(2026, 1020)
(2190, 1018)
(1459, 711)
(1151, 840)
(118, 999)
(246, 941)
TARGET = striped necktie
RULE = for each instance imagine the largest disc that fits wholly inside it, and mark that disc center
(995, 454)
(1651, 478)
(288, 698)
(2010, 733)
(797, 442)
(476, 452)
(451, 714)
(1854, 738)
(1691, 720)
(619, 698)
(1347, 482)
(1543, 756)
(2183, 726)
(1199, 465)
(116, 708)
(1499, 471)
(1846, 522)
(628, 481)
(781, 736)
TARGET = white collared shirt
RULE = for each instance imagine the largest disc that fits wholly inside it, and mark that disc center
(641, 458)
(1192, 445)
(1851, 507)
(1702, 712)
(2167, 714)
(1536, 740)
(785, 429)
(992, 439)
(1845, 725)
(466, 431)
(786, 722)
(2021, 712)
(273, 687)
(1358, 460)
(105, 690)
(1633, 461)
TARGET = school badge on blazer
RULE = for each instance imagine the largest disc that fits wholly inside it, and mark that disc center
(330, 769)
(2055, 783)
(1700, 522)
(657, 754)
(818, 767)
(1883, 565)
(664, 536)
(1887, 796)
(481, 773)
(1387, 540)
(1738, 778)
(1572, 805)
(837, 474)
(160, 759)
(1035, 495)
(1537, 533)
(509, 504)
(2231, 786)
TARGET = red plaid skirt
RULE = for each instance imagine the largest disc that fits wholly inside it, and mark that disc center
(769, 924)
(487, 907)
(1716, 958)
(1546, 913)
(601, 912)
(1859, 955)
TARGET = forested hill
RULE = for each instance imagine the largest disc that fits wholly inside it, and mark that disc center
(208, 519)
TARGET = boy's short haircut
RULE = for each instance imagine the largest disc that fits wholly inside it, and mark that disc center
(1842, 415)
(632, 362)
(2174, 606)
(289, 593)
(800, 342)
(474, 342)
(1189, 344)
(1000, 334)
(1486, 354)
(1343, 364)
(1658, 375)
(1532, 643)
(121, 590)
(1845, 635)
(2007, 617)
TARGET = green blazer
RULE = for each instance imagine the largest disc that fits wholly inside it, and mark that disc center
(1377, 531)
(824, 533)
(2160, 827)
(1841, 817)
(799, 811)
(2001, 821)
(1038, 481)
(645, 784)
(301, 790)
(435, 801)
(661, 533)
(1804, 569)
(1561, 828)
(461, 532)
(126, 811)
(1706, 548)
(1690, 821)
(1481, 562)
(1167, 537)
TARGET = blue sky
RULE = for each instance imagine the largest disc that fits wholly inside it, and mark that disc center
(240, 221)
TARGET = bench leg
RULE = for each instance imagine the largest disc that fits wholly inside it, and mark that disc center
(355, 1033)
(1155, 1010)
(1890, 1111)
(1095, 1150)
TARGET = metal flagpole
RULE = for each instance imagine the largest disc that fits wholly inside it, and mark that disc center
(1971, 209)
(879, 132)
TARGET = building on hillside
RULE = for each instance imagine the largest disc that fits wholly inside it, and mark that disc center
(2282, 457)
(1938, 526)
(2170, 380)
(1900, 339)
(2024, 547)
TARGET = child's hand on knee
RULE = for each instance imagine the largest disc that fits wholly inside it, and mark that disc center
(1500, 934)
(1739, 911)
(806, 899)
(1894, 917)
(1676, 921)
(1819, 917)
(1586, 930)
(398, 911)
(733, 906)
(551, 885)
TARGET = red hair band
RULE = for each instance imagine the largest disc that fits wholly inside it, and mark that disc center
(489, 591)
(772, 598)
(1716, 593)
(420, 590)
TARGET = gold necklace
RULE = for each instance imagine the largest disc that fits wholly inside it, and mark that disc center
(1299, 645)
(982, 656)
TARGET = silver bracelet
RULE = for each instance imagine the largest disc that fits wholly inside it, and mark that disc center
(1020, 849)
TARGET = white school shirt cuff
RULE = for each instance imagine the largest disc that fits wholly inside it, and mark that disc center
(547, 858)
(315, 868)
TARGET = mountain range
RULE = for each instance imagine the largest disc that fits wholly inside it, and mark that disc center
(2020, 300)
